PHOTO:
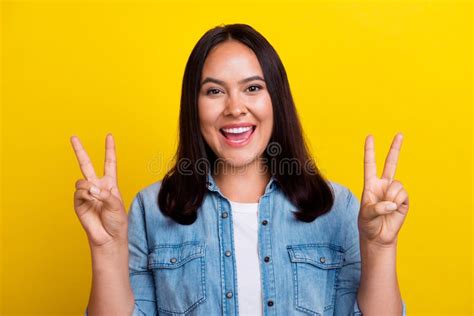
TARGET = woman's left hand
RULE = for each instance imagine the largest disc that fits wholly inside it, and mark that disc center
(384, 203)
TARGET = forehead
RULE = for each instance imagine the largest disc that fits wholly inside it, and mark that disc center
(231, 57)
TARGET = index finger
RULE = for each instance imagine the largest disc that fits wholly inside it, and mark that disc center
(110, 166)
(392, 158)
(370, 167)
(84, 161)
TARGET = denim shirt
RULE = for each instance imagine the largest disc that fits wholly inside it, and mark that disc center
(309, 268)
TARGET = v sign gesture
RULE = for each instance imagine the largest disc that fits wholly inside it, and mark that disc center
(384, 203)
(97, 201)
(100, 209)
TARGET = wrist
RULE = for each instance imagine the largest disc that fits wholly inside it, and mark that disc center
(110, 260)
(375, 245)
(376, 253)
(112, 250)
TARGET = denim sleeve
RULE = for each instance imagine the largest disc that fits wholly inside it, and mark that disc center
(141, 279)
(349, 275)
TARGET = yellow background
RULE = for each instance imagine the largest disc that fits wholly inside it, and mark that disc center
(355, 67)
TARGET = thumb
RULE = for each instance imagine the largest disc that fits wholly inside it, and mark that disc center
(111, 202)
(381, 208)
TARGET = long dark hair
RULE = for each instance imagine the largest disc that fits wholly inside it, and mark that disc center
(183, 189)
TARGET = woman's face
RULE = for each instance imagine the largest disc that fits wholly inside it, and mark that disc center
(235, 109)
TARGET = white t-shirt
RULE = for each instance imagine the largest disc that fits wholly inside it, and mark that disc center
(245, 219)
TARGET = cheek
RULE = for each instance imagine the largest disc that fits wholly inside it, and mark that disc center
(208, 115)
(264, 112)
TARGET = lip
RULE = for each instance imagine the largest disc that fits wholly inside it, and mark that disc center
(234, 144)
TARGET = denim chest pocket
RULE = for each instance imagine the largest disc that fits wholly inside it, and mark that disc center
(179, 272)
(315, 269)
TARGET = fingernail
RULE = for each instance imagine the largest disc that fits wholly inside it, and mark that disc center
(391, 207)
(94, 190)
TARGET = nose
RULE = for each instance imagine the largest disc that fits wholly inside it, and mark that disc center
(235, 106)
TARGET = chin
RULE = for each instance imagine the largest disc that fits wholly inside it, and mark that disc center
(237, 161)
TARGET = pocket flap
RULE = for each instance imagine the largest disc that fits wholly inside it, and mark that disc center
(173, 256)
(324, 256)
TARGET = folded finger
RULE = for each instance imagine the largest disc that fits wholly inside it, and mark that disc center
(83, 194)
(82, 184)
(402, 201)
(378, 209)
(394, 187)
(110, 201)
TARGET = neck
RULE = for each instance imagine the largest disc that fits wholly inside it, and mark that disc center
(244, 184)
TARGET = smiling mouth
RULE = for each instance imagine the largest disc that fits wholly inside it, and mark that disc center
(238, 135)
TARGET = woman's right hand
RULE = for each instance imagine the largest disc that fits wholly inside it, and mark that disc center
(97, 201)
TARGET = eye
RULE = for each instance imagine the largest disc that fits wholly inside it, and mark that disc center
(212, 91)
(252, 88)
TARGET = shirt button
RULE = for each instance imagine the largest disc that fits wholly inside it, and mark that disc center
(227, 253)
(224, 215)
(270, 303)
(264, 222)
(266, 259)
(322, 260)
(228, 294)
(173, 260)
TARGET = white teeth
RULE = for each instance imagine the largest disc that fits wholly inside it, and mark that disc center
(237, 130)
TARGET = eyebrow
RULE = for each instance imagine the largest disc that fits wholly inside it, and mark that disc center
(209, 79)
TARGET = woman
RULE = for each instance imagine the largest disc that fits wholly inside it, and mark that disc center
(244, 223)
